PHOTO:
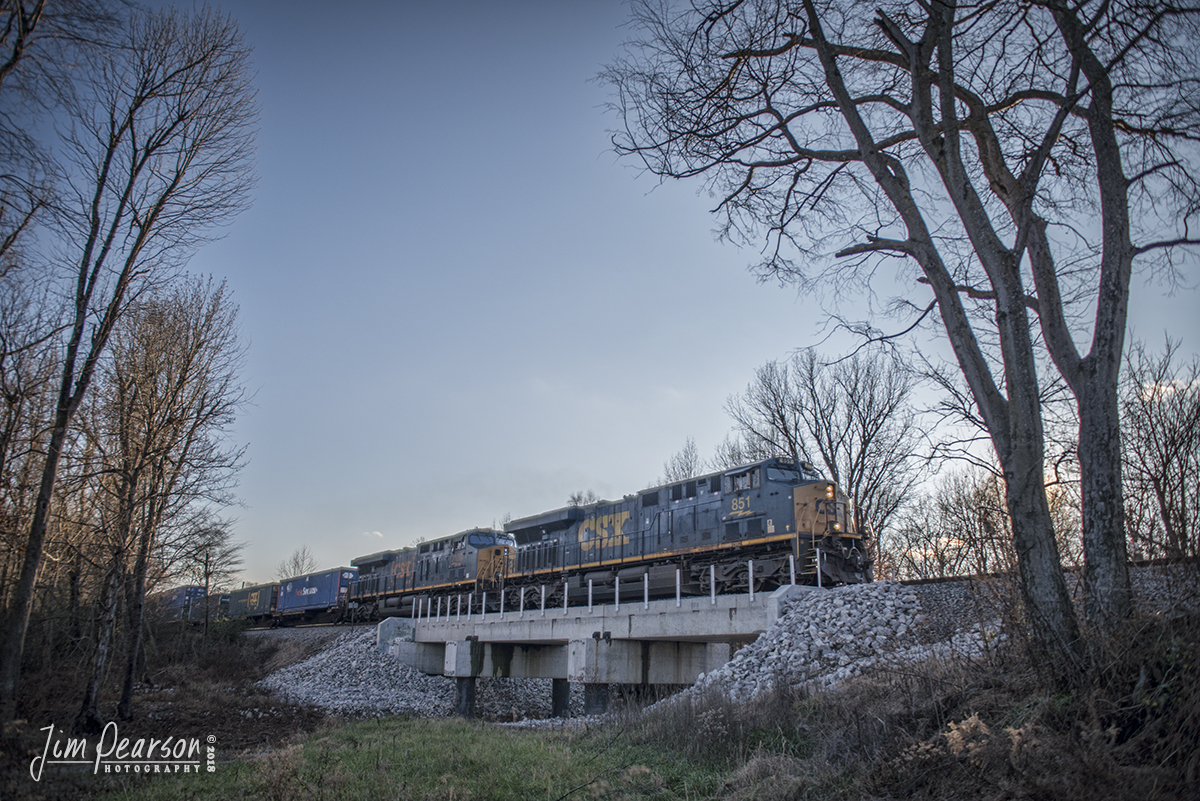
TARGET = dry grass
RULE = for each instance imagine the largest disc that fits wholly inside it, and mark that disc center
(1130, 729)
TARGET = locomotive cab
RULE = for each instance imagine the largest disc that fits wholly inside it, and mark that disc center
(496, 555)
(825, 531)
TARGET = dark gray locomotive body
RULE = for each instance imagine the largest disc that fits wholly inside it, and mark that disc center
(761, 525)
(390, 582)
(778, 518)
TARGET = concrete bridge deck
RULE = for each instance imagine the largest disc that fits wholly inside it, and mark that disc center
(670, 641)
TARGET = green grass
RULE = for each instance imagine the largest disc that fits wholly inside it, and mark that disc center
(444, 759)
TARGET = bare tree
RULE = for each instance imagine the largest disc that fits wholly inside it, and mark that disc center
(1161, 405)
(768, 414)
(37, 35)
(175, 391)
(683, 465)
(963, 529)
(41, 41)
(113, 558)
(977, 144)
(300, 562)
(737, 449)
(853, 417)
(27, 367)
(212, 561)
(582, 498)
(165, 395)
(160, 145)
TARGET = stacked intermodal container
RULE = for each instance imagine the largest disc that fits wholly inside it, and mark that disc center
(315, 591)
(257, 601)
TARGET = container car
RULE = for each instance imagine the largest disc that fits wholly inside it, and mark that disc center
(315, 595)
(182, 603)
(256, 602)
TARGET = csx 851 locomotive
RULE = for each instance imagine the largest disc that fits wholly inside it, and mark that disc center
(777, 517)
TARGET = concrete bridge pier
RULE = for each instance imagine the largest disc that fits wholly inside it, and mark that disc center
(560, 698)
(595, 699)
(464, 697)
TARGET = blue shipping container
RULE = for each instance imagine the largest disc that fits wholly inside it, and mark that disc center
(183, 603)
(316, 590)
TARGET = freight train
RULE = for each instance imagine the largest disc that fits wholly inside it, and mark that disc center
(320, 597)
(758, 526)
(190, 604)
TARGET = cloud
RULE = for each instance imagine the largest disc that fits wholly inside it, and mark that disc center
(378, 534)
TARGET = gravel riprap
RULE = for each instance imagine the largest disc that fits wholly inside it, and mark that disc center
(826, 636)
(351, 677)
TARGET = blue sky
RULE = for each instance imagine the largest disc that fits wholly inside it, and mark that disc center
(459, 304)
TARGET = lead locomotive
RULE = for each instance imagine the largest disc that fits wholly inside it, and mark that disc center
(779, 518)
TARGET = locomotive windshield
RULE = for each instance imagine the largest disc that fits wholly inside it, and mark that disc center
(794, 475)
(486, 539)
(783, 476)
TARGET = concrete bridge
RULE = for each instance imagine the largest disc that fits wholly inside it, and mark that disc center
(670, 641)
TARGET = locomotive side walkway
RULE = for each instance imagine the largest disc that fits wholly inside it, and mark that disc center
(673, 641)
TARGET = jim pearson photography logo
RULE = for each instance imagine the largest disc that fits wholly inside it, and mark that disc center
(116, 754)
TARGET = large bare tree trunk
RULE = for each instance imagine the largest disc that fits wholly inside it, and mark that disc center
(1108, 598)
(90, 720)
(17, 622)
(136, 616)
(1044, 590)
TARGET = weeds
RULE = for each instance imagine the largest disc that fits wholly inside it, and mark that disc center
(1129, 730)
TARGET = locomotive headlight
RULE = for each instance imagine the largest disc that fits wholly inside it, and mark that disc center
(829, 491)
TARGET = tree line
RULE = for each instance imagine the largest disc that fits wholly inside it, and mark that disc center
(932, 511)
(126, 141)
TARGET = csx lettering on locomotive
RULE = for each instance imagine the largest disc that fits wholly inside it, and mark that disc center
(605, 531)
